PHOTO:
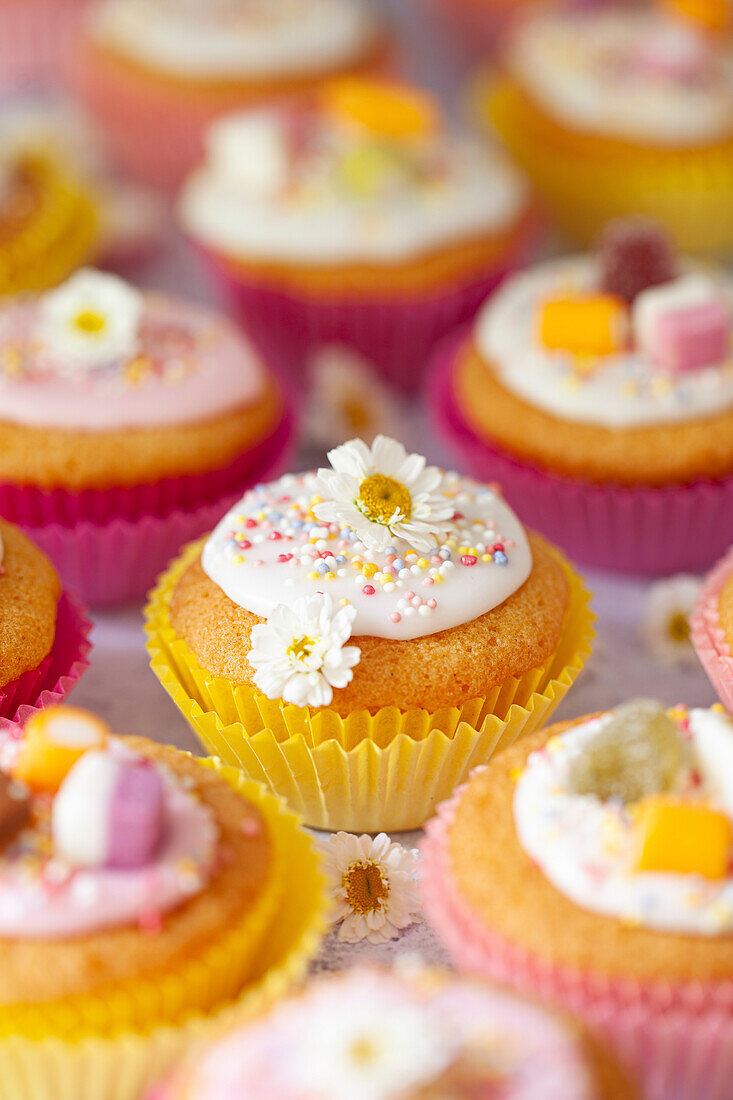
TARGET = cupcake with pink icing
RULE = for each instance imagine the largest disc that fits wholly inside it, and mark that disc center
(129, 419)
(711, 628)
(407, 1035)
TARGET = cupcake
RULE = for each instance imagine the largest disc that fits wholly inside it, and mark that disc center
(35, 39)
(138, 891)
(356, 218)
(358, 638)
(622, 112)
(407, 1035)
(154, 73)
(711, 628)
(43, 630)
(599, 391)
(129, 421)
(589, 864)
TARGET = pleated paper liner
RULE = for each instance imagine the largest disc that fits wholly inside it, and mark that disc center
(647, 530)
(585, 180)
(708, 636)
(95, 1066)
(52, 680)
(677, 1037)
(366, 772)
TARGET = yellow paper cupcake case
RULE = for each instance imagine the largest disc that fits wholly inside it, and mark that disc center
(103, 1057)
(386, 771)
(585, 180)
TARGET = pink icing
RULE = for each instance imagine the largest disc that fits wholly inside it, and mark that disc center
(517, 1043)
(193, 365)
(42, 896)
(708, 635)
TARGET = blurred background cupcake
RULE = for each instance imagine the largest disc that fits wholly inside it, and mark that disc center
(598, 390)
(626, 111)
(408, 1035)
(382, 615)
(36, 38)
(129, 421)
(154, 73)
(356, 218)
(589, 865)
(44, 632)
(712, 628)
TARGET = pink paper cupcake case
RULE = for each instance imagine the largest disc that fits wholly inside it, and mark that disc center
(52, 680)
(678, 1039)
(117, 560)
(644, 530)
(29, 506)
(708, 636)
(396, 335)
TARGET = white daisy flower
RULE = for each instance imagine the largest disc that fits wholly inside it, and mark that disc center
(347, 399)
(368, 1039)
(383, 493)
(91, 320)
(374, 886)
(299, 655)
(665, 623)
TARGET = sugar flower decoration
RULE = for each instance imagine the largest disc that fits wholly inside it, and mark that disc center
(300, 654)
(666, 620)
(383, 493)
(374, 887)
(91, 320)
(347, 399)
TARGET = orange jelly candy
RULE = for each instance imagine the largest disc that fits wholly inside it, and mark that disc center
(682, 837)
(594, 324)
(384, 108)
(54, 740)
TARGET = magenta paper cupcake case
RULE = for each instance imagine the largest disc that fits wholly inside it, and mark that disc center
(677, 1038)
(396, 334)
(116, 560)
(708, 636)
(644, 530)
(58, 673)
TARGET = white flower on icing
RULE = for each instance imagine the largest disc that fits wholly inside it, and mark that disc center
(299, 655)
(374, 886)
(369, 1038)
(383, 493)
(91, 320)
(665, 624)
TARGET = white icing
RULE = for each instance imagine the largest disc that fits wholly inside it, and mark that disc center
(584, 69)
(626, 390)
(253, 578)
(458, 190)
(585, 847)
(230, 39)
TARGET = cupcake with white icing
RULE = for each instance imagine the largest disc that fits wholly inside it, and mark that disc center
(598, 390)
(154, 73)
(624, 112)
(128, 420)
(407, 1035)
(358, 217)
(381, 615)
(590, 864)
(141, 897)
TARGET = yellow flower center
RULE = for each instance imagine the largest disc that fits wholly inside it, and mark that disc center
(366, 886)
(90, 322)
(300, 648)
(356, 414)
(679, 628)
(381, 496)
(363, 1051)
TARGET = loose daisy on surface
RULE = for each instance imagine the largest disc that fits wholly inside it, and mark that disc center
(348, 399)
(374, 886)
(92, 320)
(665, 624)
(300, 654)
(383, 493)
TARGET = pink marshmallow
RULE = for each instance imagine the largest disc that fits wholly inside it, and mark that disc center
(135, 816)
(683, 325)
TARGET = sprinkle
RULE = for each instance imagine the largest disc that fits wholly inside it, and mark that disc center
(368, 590)
(500, 558)
(396, 617)
(469, 559)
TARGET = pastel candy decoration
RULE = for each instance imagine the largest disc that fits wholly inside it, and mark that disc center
(683, 325)
(381, 107)
(634, 254)
(673, 52)
(682, 838)
(248, 151)
(592, 324)
(109, 812)
(54, 740)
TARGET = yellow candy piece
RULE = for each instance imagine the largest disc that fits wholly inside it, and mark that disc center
(365, 169)
(596, 324)
(54, 740)
(384, 108)
(682, 837)
(713, 15)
